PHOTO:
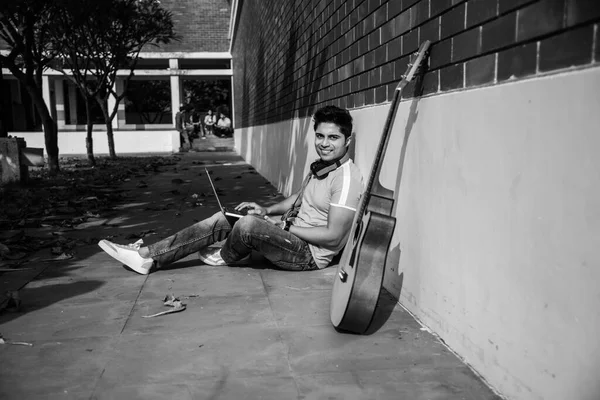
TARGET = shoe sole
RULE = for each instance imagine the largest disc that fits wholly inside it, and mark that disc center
(208, 261)
(113, 252)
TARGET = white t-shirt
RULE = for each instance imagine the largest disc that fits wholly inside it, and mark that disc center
(341, 188)
(224, 122)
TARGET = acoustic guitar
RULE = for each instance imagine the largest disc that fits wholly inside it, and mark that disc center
(362, 264)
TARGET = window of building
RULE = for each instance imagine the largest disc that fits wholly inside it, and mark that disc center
(148, 102)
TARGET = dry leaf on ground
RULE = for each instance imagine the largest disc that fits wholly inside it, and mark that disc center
(169, 301)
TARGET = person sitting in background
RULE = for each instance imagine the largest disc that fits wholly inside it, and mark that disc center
(196, 125)
(223, 127)
(209, 122)
(188, 125)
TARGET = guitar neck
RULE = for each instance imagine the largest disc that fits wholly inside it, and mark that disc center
(375, 192)
(377, 198)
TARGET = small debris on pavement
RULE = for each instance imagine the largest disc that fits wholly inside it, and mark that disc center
(4, 341)
(11, 301)
(169, 301)
(142, 234)
(13, 269)
(61, 257)
(4, 250)
(189, 296)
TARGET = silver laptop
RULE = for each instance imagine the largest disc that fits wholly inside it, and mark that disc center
(231, 214)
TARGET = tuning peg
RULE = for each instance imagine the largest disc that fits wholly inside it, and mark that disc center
(343, 276)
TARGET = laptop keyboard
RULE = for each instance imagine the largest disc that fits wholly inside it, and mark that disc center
(234, 211)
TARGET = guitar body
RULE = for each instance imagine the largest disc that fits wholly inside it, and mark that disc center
(355, 297)
(361, 269)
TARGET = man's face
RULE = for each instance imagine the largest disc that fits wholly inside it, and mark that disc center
(330, 143)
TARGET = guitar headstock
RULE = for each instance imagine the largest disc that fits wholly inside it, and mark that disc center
(414, 64)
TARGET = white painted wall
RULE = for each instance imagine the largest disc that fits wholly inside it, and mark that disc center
(498, 223)
(126, 142)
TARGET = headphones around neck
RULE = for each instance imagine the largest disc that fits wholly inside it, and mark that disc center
(320, 169)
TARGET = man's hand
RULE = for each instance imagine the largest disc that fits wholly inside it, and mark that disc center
(253, 208)
(277, 222)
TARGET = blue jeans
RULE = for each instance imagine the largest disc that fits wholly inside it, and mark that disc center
(249, 233)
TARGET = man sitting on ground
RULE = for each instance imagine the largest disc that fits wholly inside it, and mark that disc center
(223, 126)
(327, 203)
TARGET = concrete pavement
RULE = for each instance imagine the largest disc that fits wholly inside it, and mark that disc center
(249, 332)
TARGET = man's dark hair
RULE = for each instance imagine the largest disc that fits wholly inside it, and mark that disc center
(339, 116)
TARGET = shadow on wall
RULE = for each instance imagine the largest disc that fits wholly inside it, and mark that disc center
(280, 151)
(392, 280)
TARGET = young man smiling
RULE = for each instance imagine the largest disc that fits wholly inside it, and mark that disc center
(316, 223)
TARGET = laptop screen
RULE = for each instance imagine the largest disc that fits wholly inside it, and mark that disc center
(214, 189)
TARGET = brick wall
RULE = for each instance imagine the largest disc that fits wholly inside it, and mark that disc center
(291, 57)
(202, 24)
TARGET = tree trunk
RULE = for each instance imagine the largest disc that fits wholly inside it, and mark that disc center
(50, 127)
(111, 140)
(109, 129)
(89, 140)
(3, 108)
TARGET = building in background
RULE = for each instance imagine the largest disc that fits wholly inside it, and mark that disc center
(494, 168)
(195, 70)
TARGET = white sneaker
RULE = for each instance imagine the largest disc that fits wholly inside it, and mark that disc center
(212, 256)
(128, 255)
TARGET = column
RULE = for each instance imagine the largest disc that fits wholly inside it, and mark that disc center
(120, 118)
(175, 88)
(72, 89)
(232, 116)
(59, 98)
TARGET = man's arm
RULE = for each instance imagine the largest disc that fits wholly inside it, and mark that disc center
(346, 190)
(282, 206)
(339, 223)
(274, 209)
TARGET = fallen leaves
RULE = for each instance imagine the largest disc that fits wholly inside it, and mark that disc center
(79, 197)
(78, 192)
(139, 235)
(169, 301)
(11, 301)
(61, 257)
(4, 250)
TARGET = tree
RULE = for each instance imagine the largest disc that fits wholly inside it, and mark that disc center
(25, 26)
(71, 30)
(207, 94)
(104, 38)
(150, 99)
